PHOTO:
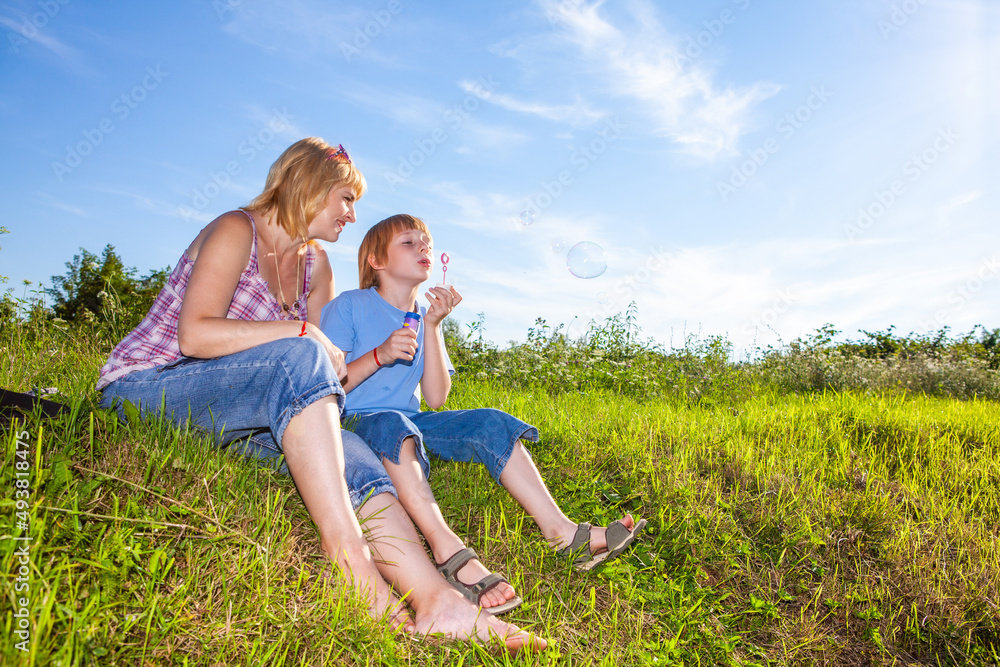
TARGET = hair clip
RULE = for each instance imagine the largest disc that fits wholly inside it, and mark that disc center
(339, 154)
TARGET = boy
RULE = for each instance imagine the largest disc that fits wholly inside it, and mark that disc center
(388, 365)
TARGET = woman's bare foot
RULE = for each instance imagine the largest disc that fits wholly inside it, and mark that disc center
(472, 573)
(450, 614)
(390, 609)
(598, 536)
(359, 571)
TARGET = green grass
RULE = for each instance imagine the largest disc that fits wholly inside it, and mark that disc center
(848, 528)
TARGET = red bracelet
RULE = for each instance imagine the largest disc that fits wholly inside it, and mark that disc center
(303, 329)
(375, 353)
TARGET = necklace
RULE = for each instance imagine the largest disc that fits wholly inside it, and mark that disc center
(281, 292)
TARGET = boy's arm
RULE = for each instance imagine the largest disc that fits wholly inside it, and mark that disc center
(401, 344)
(341, 322)
(435, 383)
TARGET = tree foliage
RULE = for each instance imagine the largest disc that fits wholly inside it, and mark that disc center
(96, 285)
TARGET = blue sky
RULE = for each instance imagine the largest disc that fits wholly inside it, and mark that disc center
(743, 168)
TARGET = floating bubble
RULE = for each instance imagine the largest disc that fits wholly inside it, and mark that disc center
(527, 218)
(586, 260)
(558, 245)
(603, 298)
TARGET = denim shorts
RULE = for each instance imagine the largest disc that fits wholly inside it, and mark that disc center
(247, 399)
(485, 435)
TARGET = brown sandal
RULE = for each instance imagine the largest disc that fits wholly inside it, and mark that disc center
(618, 538)
(474, 592)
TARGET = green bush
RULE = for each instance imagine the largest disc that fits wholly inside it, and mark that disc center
(102, 288)
(614, 356)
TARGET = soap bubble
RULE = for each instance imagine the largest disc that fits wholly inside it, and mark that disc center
(603, 298)
(527, 218)
(558, 245)
(586, 260)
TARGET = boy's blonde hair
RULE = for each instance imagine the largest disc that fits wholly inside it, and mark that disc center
(299, 181)
(376, 245)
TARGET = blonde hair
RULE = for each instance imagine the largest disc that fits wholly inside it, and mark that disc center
(376, 244)
(299, 181)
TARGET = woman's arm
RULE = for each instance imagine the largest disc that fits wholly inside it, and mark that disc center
(321, 286)
(203, 330)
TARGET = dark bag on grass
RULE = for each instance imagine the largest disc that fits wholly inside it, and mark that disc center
(14, 404)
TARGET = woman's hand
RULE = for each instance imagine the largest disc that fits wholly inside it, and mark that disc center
(443, 300)
(335, 353)
(401, 344)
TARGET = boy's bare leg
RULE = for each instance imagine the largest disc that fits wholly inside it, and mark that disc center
(418, 500)
(521, 478)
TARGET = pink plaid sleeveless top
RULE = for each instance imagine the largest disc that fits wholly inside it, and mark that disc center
(154, 342)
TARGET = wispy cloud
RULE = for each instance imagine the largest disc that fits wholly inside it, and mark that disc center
(635, 59)
(37, 36)
(404, 108)
(307, 29)
(49, 200)
(576, 114)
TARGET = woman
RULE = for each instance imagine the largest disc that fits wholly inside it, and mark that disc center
(232, 344)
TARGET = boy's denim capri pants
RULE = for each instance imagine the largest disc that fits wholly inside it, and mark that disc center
(483, 435)
(247, 399)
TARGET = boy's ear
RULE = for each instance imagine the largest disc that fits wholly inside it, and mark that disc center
(373, 262)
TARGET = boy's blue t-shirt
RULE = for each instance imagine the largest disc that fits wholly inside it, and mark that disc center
(357, 322)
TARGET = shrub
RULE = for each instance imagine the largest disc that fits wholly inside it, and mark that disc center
(104, 289)
(614, 356)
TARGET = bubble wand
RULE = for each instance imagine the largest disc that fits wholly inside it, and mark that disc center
(444, 267)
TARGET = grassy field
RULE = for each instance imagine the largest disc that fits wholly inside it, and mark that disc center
(849, 528)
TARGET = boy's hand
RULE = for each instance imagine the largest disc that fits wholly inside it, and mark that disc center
(443, 300)
(401, 344)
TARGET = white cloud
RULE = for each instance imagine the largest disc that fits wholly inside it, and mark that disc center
(639, 61)
(577, 114)
(28, 31)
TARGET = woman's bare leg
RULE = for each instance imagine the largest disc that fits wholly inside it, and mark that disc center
(418, 500)
(314, 454)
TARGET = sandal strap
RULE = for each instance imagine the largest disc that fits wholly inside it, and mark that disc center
(616, 535)
(580, 539)
(487, 583)
(451, 566)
